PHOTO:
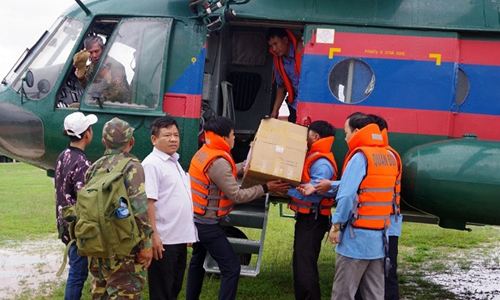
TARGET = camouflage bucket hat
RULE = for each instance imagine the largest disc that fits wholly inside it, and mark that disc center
(117, 133)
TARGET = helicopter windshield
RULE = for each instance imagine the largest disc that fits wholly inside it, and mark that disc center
(130, 73)
(28, 53)
(49, 62)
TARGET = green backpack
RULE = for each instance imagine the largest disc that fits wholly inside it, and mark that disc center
(97, 224)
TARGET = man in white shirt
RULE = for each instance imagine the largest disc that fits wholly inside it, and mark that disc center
(170, 210)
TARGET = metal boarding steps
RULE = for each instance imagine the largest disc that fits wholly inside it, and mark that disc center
(249, 215)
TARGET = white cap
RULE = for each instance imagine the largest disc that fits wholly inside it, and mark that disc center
(76, 123)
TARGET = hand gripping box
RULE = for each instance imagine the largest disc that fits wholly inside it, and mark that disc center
(278, 152)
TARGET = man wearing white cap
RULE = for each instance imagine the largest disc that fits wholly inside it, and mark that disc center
(71, 166)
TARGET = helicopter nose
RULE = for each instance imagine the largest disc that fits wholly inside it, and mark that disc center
(21, 132)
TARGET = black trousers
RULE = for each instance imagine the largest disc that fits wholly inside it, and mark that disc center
(309, 233)
(391, 279)
(165, 275)
(214, 241)
(292, 117)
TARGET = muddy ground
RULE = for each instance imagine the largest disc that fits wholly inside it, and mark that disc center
(31, 266)
(472, 274)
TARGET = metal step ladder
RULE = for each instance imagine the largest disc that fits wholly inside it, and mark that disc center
(248, 215)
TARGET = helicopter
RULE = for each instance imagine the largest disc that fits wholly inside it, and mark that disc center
(429, 69)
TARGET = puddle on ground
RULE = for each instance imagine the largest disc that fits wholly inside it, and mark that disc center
(27, 265)
(472, 274)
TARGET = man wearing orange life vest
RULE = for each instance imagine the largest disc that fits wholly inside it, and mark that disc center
(364, 205)
(328, 187)
(215, 190)
(286, 49)
(394, 231)
(312, 213)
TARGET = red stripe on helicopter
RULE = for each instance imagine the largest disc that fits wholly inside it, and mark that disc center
(409, 48)
(479, 52)
(414, 121)
(182, 105)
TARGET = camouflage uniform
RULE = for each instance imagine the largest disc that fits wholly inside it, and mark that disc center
(117, 89)
(122, 277)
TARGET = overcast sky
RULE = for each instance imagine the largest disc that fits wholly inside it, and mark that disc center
(22, 23)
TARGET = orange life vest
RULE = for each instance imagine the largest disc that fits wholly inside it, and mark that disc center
(202, 188)
(278, 64)
(376, 192)
(320, 149)
(397, 198)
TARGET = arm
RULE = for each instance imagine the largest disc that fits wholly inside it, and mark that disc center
(280, 96)
(156, 240)
(79, 174)
(327, 187)
(319, 169)
(151, 188)
(240, 168)
(348, 191)
(220, 173)
(83, 81)
(134, 182)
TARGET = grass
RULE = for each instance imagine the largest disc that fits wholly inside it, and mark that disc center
(27, 203)
(27, 211)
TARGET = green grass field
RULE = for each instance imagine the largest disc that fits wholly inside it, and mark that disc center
(27, 211)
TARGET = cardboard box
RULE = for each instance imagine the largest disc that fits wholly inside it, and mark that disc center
(278, 152)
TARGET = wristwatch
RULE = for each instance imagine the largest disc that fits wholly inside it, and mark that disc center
(335, 228)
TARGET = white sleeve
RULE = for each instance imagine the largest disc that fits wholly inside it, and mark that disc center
(152, 180)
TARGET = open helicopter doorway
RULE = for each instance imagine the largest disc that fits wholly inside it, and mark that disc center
(238, 84)
(238, 79)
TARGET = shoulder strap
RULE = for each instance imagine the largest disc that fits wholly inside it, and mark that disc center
(65, 259)
(117, 174)
(123, 163)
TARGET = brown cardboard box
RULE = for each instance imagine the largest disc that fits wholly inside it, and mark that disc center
(278, 152)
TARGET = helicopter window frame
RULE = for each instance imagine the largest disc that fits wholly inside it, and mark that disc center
(50, 64)
(70, 92)
(144, 95)
(351, 80)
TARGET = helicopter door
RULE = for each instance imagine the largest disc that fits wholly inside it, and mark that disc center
(373, 67)
(128, 77)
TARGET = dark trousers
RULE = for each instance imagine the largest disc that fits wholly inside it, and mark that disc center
(213, 239)
(166, 274)
(309, 232)
(292, 117)
(391, 279)
(78, 273)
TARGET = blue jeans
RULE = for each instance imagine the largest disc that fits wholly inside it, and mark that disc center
(78, 272)
(213, 239)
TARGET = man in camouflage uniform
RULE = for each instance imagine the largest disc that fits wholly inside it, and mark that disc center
(111, 82)
(123, 277)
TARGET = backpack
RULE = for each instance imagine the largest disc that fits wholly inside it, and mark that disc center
(97, 223)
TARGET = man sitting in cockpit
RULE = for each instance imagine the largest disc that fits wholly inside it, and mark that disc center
(111, 81)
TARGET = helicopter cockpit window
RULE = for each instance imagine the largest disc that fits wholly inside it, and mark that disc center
(351, 80)
(49, 62)
(130, 73)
